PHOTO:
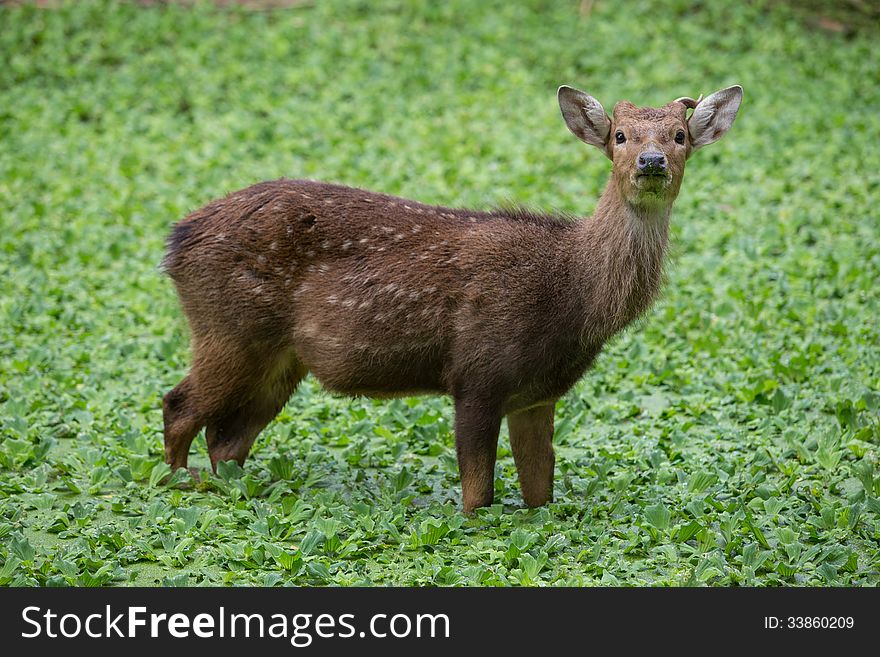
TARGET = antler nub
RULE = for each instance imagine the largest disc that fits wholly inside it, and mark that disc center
(690, 103)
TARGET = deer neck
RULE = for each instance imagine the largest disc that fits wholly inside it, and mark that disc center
(621, 251)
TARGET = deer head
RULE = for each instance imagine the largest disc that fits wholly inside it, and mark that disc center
(649, 146)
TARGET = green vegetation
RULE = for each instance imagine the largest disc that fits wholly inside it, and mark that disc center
(730, 439)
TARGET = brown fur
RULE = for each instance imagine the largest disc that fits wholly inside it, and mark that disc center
(382, 296)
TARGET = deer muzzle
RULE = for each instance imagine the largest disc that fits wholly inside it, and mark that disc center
(651, 163)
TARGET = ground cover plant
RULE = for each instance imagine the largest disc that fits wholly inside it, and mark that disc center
(729, 439)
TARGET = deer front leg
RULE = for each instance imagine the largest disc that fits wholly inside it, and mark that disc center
(182, 423)
(531, 440)
(477, 422)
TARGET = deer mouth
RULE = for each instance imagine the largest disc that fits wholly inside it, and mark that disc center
(652, 181)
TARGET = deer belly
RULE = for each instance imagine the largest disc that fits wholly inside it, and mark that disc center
(376, 370)
(361, 334)
(351, 354)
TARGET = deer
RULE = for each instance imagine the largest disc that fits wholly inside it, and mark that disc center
(502, 310)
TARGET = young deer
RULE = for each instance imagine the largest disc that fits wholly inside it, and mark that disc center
(381, 296)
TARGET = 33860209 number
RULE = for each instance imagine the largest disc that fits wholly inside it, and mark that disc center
(820, 622)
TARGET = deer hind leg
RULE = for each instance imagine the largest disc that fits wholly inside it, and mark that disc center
(477, 423)
(231, 433)
(531, 440)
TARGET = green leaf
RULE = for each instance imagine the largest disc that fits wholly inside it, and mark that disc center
(522, 538)
(785, 570)
(318, 570)
(22, 548)
(687, 531)
(7, 569)
(282, 468)
(756, 531)
(181, 579)
(159, 472)
(864, 470)
(701, 481)
(828, 573)
(287, 560)
(402, 480)
(229, 471)
(311, 542)
(658, 515)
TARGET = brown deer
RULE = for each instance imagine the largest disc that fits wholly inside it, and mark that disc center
(381, 296)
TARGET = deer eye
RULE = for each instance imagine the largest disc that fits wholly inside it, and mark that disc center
(679, 137)
(619, 137)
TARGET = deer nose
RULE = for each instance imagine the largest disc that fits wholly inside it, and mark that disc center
(652, 162)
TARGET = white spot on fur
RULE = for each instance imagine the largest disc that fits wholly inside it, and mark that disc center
(349, 303)
(390, 287)
(273, 246)
(416, 229)
(310, 254)
(346, 245)
(311, 328)
(261, 259)
(323, 269)
(364, 304)
(325, 244)
(398, 237)
(387, 229)
(332, 299)
(364, 240)
(328, 201)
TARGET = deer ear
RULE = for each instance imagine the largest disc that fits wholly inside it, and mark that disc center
(585, 117)
(713, 116)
